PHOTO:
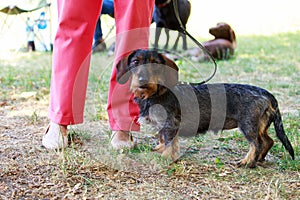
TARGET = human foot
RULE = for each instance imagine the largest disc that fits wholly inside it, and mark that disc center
(55, 136)
(121, 139)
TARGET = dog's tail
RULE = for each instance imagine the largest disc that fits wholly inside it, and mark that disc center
(280, 133)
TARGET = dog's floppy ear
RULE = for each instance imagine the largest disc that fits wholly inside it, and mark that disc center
(171, 73)
(232, 38)
(122, 66)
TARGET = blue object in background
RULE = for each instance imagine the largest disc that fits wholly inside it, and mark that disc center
(42, 23)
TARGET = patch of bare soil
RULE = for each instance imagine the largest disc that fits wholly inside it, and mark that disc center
(89, 169)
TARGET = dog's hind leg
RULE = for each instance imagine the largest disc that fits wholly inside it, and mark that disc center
(176, 42)
(267, 145)
(184, 43)
(267, 141)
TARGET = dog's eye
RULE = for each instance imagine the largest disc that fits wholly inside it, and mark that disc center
(134, 62)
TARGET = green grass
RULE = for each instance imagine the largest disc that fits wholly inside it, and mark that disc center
(90, 168)
(25, 72)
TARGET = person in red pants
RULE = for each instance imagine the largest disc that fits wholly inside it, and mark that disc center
(70, 66)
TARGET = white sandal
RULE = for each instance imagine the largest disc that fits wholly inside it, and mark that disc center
(53, 137)
(118, 144)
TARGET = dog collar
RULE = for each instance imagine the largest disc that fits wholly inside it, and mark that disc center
(163, 4)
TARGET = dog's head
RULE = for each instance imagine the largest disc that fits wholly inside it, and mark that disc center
(149, 72)
(223, 31)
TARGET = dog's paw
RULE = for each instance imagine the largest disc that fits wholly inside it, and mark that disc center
(167, 152)
(246, 163)
(159, 148)
(171, 152)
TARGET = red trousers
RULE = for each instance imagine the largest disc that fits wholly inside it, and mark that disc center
(72, 53)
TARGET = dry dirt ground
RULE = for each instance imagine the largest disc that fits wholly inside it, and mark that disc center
(89, 169)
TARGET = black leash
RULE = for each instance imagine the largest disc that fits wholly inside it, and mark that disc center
(184, 31)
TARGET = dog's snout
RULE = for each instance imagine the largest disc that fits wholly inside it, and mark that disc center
(143, 80)
(143, 76)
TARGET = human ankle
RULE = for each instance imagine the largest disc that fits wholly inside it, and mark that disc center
(122, 135)
(63, 129)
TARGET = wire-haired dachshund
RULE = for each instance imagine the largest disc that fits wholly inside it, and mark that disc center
(221, 47)
(179, 109)
(164, 17)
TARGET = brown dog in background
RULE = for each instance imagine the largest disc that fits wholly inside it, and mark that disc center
(221, 48)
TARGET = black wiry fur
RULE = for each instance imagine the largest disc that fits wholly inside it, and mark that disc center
(220, 107)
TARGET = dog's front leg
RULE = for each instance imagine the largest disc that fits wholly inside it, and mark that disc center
(161, 145)
(157, 36)
(167, 38)
(171, 144)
